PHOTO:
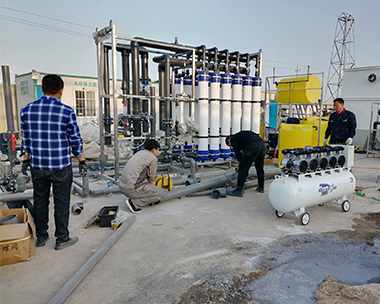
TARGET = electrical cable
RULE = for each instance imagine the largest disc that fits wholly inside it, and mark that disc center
(44, 26)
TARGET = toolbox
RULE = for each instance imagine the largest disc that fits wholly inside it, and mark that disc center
(106, 215)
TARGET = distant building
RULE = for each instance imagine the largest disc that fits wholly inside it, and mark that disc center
(80, 93)
(361, 94)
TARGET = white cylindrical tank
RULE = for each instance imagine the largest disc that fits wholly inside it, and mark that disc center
(289, 193)
(214, 115)
(225, 114)
(178, 89)
(203, 92)
(256, 98)
(246, 104)
(237, 95)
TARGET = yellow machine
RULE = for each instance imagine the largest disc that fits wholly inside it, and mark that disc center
(165, 182)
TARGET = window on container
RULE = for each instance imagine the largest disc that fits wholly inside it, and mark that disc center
(85, 103)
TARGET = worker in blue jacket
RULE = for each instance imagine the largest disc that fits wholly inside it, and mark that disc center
(341, 126)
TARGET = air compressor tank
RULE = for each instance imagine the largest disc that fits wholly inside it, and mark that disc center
(294, 192)
(290, 193)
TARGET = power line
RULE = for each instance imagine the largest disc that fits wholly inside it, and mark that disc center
(46, 27)
(55, 19)
(59, 20)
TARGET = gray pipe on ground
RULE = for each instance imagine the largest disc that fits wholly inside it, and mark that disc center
(16, 196)
(213, 182)
(71, 284)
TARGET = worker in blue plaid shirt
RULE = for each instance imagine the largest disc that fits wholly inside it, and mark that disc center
(49, 135)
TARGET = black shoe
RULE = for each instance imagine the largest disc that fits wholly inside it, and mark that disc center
(62, 245)
(132, 206)
(236, 192)
(41, 242)
(260, 189)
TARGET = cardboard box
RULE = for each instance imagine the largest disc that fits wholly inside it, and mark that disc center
(17, 241)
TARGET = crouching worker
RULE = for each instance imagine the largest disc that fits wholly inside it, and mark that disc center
(139, 177)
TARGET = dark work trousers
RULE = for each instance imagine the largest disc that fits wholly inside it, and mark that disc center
(256, 154)
(42, 182)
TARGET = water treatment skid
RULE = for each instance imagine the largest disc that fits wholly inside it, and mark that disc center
(204, 94)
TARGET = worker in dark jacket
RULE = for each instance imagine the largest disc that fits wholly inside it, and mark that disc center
(341, 126)
(253, 151)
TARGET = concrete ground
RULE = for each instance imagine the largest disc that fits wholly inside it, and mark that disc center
(191, 249)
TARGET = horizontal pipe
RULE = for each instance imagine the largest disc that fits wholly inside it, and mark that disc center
(79, 188)
(158, 44)
(214, 182)
(16, 196)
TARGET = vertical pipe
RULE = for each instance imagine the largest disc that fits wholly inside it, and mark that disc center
(145, 79)
(136, 108)
(167, 101)
(247, 103)
(191, 110)
(161, 77)
(135, 73)
(144, 66)
(153, 111)
(100, 59)
(8, 98)
(187, 87)
(225, 114)
(178, 89)
(107, 109)
(203, 105)
(214, 115)
(126, 80)
(115, 110)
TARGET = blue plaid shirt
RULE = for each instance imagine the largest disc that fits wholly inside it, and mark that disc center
(49, 129)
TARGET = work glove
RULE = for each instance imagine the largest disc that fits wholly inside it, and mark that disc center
(82, 167)
(349, 141)
(25, 165)
(325, 142)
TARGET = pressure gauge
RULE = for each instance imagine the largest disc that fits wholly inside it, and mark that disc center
(372, 77)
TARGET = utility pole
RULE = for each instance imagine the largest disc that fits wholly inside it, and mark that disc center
(342, 55)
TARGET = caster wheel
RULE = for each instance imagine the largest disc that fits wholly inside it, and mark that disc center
(305, 218)
(279, 214)
(321, 204)
(346, 206)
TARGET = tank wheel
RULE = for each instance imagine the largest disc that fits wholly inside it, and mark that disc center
(346, 205)
(279, 214)
(321, 204)
(305, 218)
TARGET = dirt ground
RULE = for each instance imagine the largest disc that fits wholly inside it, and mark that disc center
(366, 228)
(201, 250)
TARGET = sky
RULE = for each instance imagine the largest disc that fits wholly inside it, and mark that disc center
(56, 36)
